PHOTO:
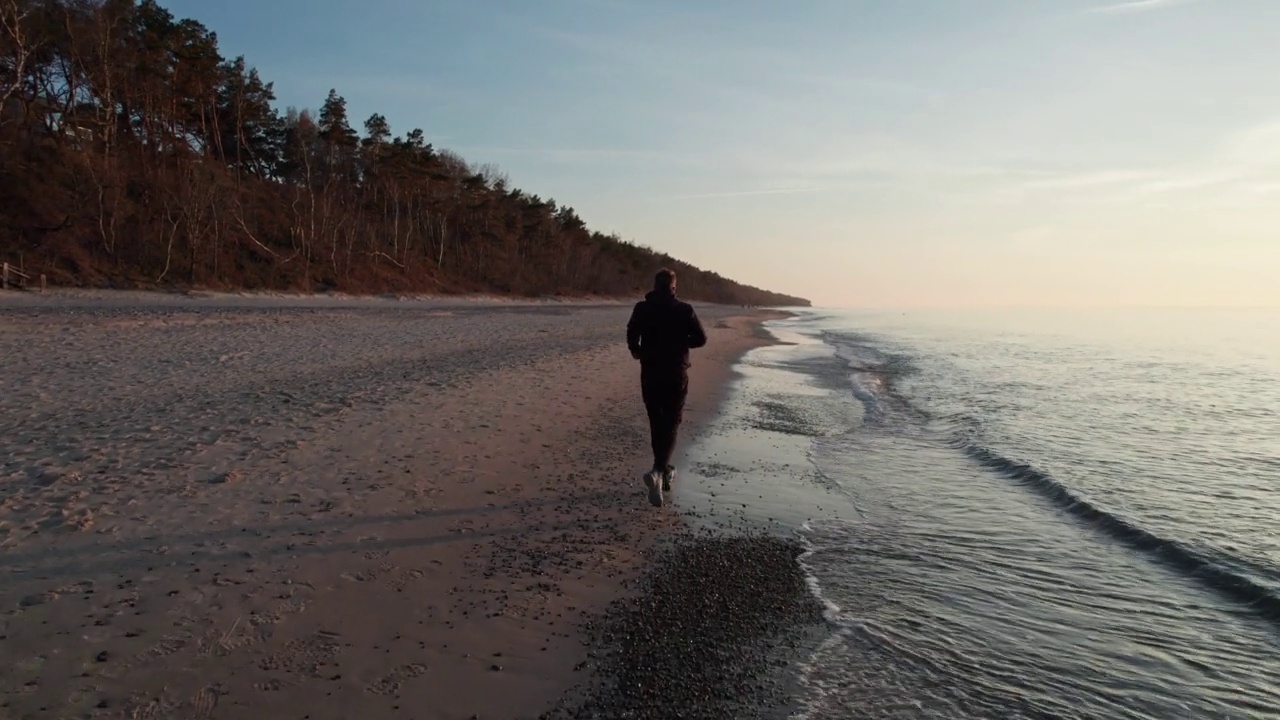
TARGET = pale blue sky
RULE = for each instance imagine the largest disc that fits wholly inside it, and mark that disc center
(889, 153)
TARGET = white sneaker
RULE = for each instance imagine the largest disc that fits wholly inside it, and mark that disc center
(667, 476)
(652, 481)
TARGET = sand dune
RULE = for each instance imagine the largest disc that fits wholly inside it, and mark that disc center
(238, 507)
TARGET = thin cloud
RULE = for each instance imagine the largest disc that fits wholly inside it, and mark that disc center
(1089, 180)
(1255, 145)
(803, 75)
(1148, 188)
(613, 5)
(745, 193)
(1137, 6)
(561, 152)
(585, 156)
(1190, 181)
(1263, 188)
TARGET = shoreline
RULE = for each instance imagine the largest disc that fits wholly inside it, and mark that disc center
(722, 613)
(217, 550)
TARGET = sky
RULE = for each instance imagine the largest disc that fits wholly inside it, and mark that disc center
(888, 153)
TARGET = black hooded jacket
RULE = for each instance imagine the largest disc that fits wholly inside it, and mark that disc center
(661, 331)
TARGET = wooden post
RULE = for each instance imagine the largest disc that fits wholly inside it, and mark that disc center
(42, 284)
(4, 278)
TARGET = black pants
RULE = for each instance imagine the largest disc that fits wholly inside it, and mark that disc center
(664, 391)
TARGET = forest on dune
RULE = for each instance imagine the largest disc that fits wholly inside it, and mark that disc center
(132, 154)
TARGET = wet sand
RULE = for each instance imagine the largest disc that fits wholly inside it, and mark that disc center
(220, 507)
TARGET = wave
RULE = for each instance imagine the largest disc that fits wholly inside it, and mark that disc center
(876, 371)
(808, 670)
(831, 611)
(1260, 599)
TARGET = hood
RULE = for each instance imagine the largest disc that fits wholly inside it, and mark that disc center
(661, 296)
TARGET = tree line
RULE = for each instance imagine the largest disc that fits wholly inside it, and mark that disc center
(132, 154)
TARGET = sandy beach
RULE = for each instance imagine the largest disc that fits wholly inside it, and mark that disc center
(231, 507)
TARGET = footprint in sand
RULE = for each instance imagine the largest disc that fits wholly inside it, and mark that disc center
(166, 646)
(368, 574)
(304, 656)
(402, 581)
(202, 704)
(277, 614)
(221, 644)
(391, 683)
(145, 708)
(272, 685)
(423, 489)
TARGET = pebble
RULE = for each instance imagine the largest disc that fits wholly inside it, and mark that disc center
(704, 635)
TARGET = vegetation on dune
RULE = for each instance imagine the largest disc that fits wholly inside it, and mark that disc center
(132, 154)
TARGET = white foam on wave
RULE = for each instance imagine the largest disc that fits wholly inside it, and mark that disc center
(871, 377)
(859, 357)
(815, 690)
(867, 376)
(831, 611)
(869, 390)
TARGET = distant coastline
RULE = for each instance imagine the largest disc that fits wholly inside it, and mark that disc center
(170, 168)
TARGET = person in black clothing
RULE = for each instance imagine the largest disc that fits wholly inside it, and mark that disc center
(660, 333)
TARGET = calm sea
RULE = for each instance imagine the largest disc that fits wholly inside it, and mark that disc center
(1021, 514)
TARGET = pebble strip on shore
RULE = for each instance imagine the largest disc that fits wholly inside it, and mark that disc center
(715, 622)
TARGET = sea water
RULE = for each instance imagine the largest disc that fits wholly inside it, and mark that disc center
(1019, 514)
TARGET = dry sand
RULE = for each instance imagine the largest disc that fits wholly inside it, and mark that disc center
(231, 507)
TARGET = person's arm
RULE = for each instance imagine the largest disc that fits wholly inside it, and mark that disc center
(633, 332)
(697, 336)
